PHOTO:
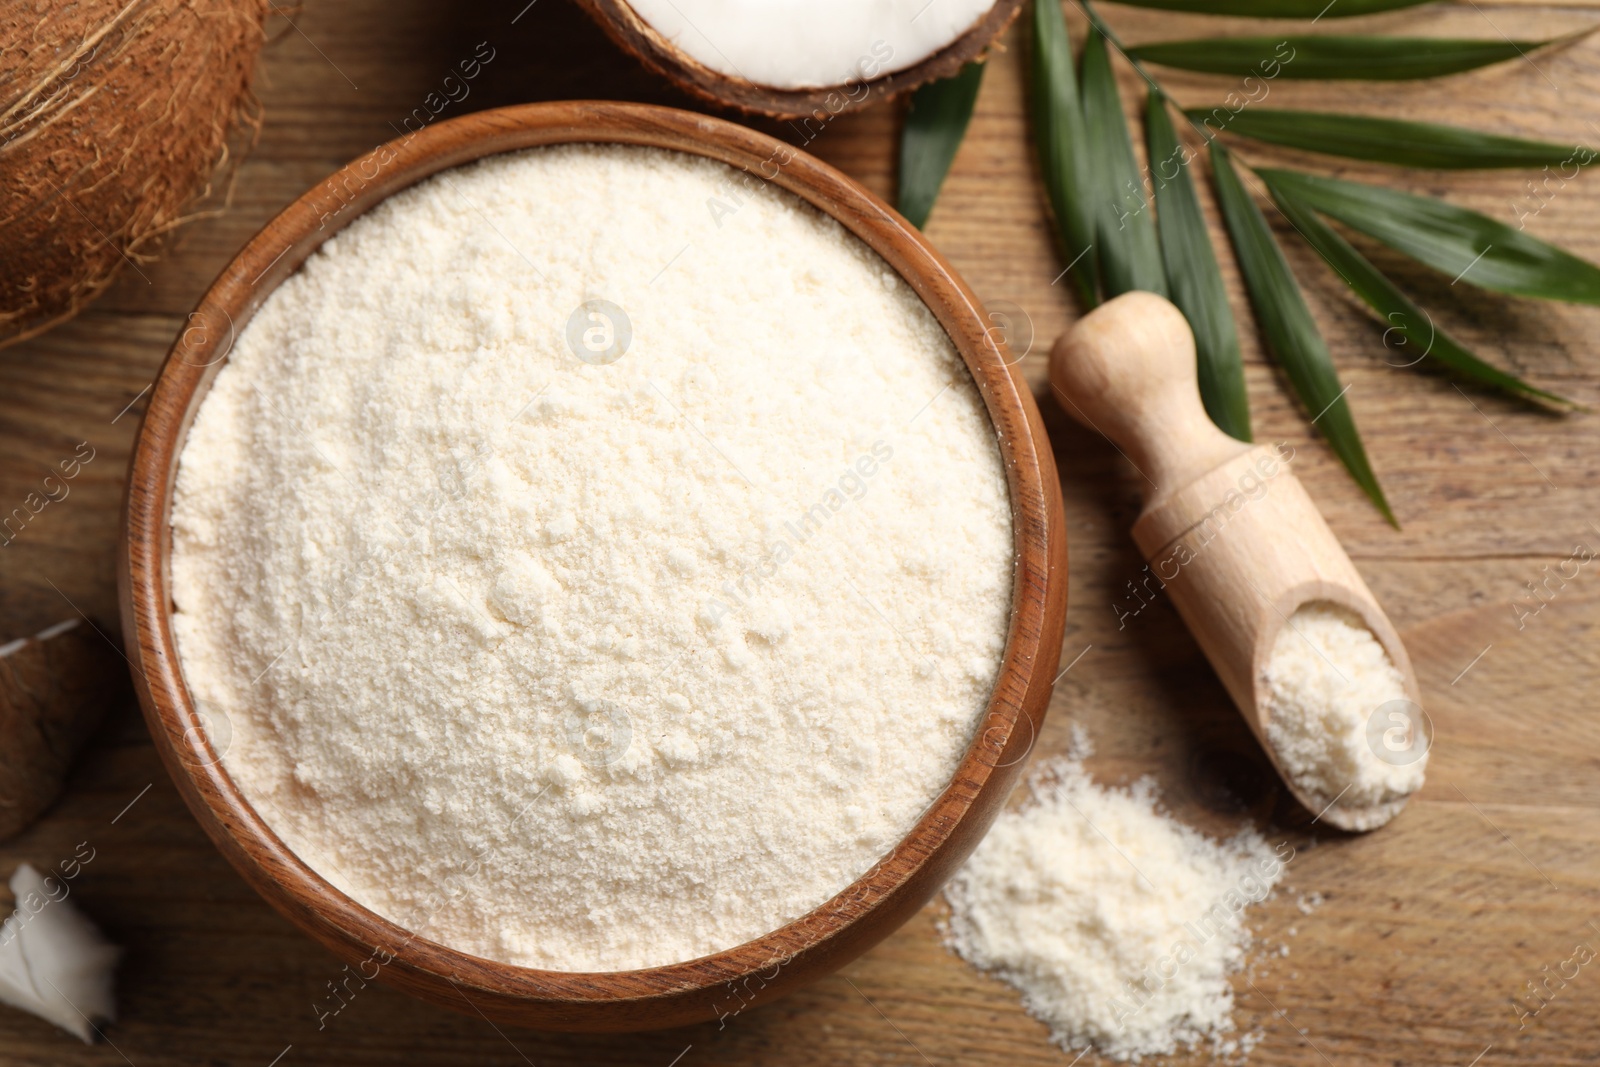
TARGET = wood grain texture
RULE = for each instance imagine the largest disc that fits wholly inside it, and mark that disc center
(1429, 928)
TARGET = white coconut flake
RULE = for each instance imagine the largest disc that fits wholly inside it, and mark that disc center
(54, 962)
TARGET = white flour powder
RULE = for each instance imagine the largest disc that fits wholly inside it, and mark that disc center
(582, 664)
(1335, 718)
(1118, 924)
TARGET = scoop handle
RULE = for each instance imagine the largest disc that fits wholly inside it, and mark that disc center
(1127, 370)
(1230, 534)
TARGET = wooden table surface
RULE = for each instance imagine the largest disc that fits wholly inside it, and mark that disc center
(1427, 931)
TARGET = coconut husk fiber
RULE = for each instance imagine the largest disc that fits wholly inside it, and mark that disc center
(54, 690)
(114, 115)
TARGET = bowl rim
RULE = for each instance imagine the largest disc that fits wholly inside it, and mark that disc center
(827, 936)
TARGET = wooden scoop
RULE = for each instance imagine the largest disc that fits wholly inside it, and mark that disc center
(1228, 531)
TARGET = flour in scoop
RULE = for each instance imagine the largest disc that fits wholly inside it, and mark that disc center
(1340, 720)
(585, 578)
(1118, 924)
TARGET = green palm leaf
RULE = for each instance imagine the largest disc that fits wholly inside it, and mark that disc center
(1393, 306)
(1289, 330)
(1334, 57)
(1130, 257)
(1460, 243)
(940, 111)
(1061, 140)
(1404, 144)
(1193, 275)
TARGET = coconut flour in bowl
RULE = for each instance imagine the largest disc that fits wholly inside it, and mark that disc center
(591, 559)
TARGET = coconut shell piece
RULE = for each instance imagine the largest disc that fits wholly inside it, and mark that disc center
(637, 37)
(114, 114)
(54, 690)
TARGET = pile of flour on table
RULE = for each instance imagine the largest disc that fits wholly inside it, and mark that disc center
(1118, 924)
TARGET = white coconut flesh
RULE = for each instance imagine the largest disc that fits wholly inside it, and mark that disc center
(810, 44)
(54, 962)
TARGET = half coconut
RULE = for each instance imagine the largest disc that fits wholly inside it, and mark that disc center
(793, 58)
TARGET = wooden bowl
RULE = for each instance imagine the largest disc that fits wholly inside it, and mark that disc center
(637, 37)
(713, 986)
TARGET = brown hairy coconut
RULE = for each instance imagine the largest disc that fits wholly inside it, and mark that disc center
(114, 114)
(856, 89)
(54, 690)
